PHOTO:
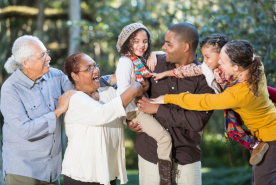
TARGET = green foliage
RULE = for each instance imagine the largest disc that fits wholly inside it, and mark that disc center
(101, 24)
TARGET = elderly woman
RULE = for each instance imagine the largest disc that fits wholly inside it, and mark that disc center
(95, 152)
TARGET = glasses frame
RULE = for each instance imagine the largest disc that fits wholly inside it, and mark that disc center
(91, 69)
(43, 57)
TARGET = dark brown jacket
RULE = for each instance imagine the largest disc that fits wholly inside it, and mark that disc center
(185, 126)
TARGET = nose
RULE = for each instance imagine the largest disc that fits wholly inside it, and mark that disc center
(163, 47)
(48, 57)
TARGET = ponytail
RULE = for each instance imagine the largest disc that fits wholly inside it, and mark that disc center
(241, 53)
(255, 75)
(11, 65)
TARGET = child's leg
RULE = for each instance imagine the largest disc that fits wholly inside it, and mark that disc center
(154, 129)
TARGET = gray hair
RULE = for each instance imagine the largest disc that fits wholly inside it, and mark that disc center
(20, 51)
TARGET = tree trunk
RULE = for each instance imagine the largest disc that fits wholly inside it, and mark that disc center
(74, 32)
(40, 19)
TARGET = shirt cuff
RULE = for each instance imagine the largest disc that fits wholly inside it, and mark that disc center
(169, 98)
(52, 121)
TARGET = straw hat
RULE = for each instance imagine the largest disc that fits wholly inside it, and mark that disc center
(127, 31)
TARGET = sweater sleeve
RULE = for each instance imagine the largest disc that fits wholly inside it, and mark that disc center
(187, 71)
(124, 74)
(201, 102)
(85, 110)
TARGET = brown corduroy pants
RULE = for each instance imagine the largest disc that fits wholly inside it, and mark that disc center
(264, 173)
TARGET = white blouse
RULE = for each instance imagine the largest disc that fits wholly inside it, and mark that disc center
(96, 150)
(124, 75)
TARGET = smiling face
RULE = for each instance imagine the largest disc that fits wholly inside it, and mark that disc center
(173, 48)
(227, 65)
(86, 81)
(140, 43)
(37, 64)
(210, 57)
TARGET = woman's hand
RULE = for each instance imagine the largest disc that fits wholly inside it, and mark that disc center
(159, 100)
(137, 87)
(147, 86)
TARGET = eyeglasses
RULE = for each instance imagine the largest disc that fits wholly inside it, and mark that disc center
(44, 55)
(91, 69)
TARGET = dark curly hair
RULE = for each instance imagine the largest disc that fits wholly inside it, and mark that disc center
(217, 41)
(241, 53)
(127, 46)
(72, 65)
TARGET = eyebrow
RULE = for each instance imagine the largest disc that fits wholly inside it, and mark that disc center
(43, 53)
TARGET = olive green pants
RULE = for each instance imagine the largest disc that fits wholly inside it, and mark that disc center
(12, 179)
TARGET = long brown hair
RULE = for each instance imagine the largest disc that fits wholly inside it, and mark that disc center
(241, 53)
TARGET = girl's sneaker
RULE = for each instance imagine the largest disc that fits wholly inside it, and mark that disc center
(258, 153)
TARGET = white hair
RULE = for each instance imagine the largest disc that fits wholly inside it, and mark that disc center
(20, 51)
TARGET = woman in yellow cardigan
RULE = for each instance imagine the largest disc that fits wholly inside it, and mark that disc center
(250, 100)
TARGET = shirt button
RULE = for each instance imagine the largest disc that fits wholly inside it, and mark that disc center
(167, 129)
(34, 106)
(156, 81)
(206, 112)
(49, 105)
(41, 88)
(172, 87)
(187, 91)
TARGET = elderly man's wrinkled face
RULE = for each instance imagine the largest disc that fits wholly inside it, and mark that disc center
(38, 63)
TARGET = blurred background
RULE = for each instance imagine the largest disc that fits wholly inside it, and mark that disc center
(92, 27)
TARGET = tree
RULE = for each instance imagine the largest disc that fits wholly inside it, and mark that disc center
(74, 33)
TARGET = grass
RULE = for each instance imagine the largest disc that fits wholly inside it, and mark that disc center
(210, 176)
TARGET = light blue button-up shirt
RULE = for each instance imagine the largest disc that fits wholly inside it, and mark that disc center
(31, 132)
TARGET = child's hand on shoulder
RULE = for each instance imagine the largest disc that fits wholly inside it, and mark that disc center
(158, 76)
(152, 61)
(243, 76)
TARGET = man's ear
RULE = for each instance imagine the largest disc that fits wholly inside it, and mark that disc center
(186, 47)
(26, 63)
(74, 76)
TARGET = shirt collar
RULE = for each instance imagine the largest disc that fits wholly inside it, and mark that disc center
(26, 80)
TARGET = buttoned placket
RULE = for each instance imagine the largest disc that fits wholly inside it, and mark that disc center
(43, 90)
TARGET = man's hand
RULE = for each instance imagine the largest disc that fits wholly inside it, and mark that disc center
(144, 105)
(134, 126)
(63, 102)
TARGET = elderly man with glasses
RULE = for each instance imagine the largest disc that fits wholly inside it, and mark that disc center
(32, 100)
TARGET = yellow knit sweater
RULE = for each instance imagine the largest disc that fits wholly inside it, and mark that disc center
(258, 115)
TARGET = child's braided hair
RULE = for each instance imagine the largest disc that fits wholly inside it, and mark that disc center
(217, 41)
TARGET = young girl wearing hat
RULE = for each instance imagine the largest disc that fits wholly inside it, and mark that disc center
(134, 46)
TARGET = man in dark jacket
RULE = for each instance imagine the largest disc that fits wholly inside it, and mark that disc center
(185, 126)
